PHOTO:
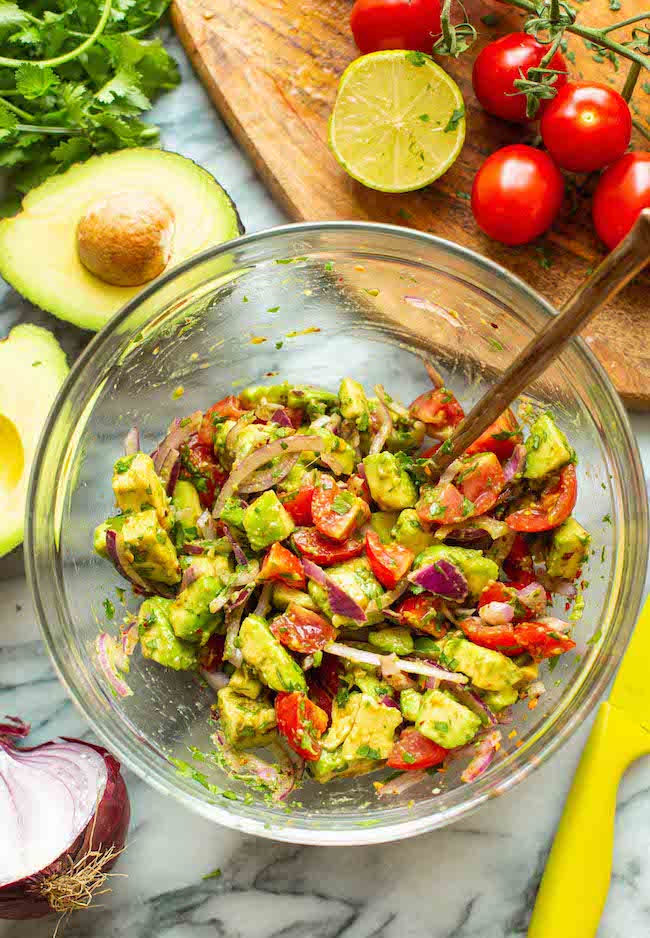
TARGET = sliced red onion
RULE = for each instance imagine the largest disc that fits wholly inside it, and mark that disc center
(264, 479)
(170, 471)
(206, 526)
(340, 603)
(130, 637)
(231, 652)
(397, 786)
(249, 574)
(64, 818)
(121, 563)
(389, 667)
(112, 659)
(388, 701)
(258, 458)
(237, 549)
(190, 575)
(533, 597)
(496, 613)
(557, 625)
(505, 717)
(217, 680)
(385, 423)
(450, 472)
(536, 689)
(409, 665)
(282, 418)
(430, 307)
(264, 601)
(434, 375)
(476, 704)
(565, 588)
(132, 442)
(179, 432)
(382, 603)
(514, 465)
(442, 578)
(250, 768)
(486, 751)
(196, 550)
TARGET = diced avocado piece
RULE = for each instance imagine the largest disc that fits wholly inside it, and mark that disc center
(498, 700)
(405, 437)
(332, 765)
(246, 723)
(271, 660)
(190, 614)
(477, 569)
(568, 551)
(367, 681)
(382, 523)
(337, 446)
(147, 543)
(409, 532)
(209, 565)
(393, 640)
(232, 512)
(266, 521)
(359, 582)
(295, 479)
(219, 444)
(250, 438)
(547, 448)
(315, 401)
(353, 403)
(273, 393)
(409, 704)
(283, 595)
(99, 537)
(390, 486)
(243, 681)
(343, 717)
(486, 668)
(138, 488)
(157, 638)
(445, 721)
(373, 731)
(187, 507)
(528, 673)
(427, 646)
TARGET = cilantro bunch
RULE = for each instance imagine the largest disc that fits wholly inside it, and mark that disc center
(75, 78)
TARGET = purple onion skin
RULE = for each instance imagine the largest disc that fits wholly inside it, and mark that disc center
(442, 578)
(107, 827)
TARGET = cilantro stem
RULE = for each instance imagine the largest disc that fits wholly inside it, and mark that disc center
(73, 53)
(16, 110)
(56, 131)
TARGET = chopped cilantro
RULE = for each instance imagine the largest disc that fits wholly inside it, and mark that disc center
(607, 519)
(273, 309)
(595, 638)
(124, 464)
(417, 58)
(408, 758)
(424, 118)
(463, 195)
(279, 345)
(343, 503)
(109, 609)
(455, 119)
(367, 752)
(441, 725)
(215, 874)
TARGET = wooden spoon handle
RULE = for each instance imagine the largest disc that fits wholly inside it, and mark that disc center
(618, 268)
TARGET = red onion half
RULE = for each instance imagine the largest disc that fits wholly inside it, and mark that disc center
(64, 814)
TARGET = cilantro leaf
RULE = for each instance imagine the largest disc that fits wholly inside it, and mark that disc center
(455, 119)
(33, 81)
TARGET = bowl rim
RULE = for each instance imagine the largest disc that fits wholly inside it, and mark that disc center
(293, 833)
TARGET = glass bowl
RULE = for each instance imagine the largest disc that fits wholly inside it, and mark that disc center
(313, 303)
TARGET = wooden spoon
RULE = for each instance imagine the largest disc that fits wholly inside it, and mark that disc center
(618, 268)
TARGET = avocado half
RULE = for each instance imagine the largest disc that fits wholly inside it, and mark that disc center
(39, 253)
(33, 367)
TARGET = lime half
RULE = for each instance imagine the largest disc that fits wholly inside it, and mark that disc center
(398, 121)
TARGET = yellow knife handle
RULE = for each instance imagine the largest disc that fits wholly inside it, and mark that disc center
(574, 887)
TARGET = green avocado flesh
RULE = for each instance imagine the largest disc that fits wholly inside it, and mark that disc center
(38, 247)
(33, 367)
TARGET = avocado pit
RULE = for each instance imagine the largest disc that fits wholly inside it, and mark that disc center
(125, 239)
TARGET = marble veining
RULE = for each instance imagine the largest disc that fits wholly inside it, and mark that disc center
(476, 879)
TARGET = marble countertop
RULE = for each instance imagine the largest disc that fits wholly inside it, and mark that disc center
(476, 879)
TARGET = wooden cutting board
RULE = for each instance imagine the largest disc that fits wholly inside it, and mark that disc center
(272, 68)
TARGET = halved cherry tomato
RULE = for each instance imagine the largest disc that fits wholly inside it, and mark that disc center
(439, 410)
(518, 564)
(502, 593)
(228, 409)
(481, 480)
(337, 512)
(553, 506)
(281, 564)
(501, 638)
(298, 504)
(328, 674)
(500, 438)
(319, 695)
(199, 467)
(389, 562)
(542, 641)
(322, 550)
(414, 751)
(422, 612)
(296, 415)
(302, 629)
(442, 504)
(211, 654)
(301, 722)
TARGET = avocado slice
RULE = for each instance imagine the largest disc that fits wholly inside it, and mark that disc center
(486, 668)
(271, 660)
(390, 486)
(568, 551)
(33, 367)
(445, 721)
(409, 532)
(39, 254)
(547, 448)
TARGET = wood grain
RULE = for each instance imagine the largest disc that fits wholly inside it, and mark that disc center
(272, 69)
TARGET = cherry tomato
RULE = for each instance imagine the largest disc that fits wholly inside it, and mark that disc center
(328, 674)
(414, 751)
(298, 504)
(622, 192)
(228, 409)
(500, 438)
(517, 194)
(395, 24)
(319, 695)
(442, 504)
(518, 564)
(497, 67)
(322, 550)
(302, 629)
(389, 562)
(501, 638)
(586, 126)
(211, 654)
(281, 564)
(337, 512)
(481, 480)
(500, 593)
(542, 641)
(422, 612)
(553, 506)
(439, 410)
(301, 722)
(199, 467)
